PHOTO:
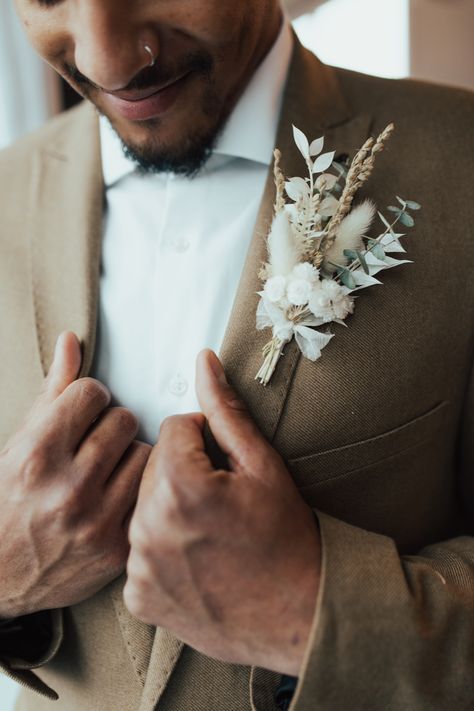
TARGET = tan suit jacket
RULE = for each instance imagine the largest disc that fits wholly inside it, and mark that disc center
(378, 434)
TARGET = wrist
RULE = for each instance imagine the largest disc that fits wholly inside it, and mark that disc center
(292, 625)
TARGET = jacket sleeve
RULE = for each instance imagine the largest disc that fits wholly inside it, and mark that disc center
(390, 632)
(28, 643)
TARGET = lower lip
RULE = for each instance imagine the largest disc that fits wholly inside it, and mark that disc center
(151, 107)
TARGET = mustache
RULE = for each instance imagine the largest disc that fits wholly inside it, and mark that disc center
(200, 62)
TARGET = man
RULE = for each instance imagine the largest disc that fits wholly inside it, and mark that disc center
(333, 543)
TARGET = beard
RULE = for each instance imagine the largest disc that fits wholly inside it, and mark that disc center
(152, 155)
(195, 147)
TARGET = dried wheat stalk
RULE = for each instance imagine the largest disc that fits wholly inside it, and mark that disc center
(360, 171)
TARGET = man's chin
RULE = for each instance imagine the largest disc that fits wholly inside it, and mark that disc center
(162, 145)
(153, 151)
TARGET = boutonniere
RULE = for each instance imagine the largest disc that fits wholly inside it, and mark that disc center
(319, 251)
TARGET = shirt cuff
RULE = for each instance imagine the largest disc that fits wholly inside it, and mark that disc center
(28, 643)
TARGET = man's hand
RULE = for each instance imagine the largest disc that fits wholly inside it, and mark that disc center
(69, 479)
(227, 560)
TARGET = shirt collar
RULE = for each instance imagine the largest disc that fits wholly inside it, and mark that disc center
(250, 131)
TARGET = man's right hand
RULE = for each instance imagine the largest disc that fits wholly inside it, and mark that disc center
(69, 480)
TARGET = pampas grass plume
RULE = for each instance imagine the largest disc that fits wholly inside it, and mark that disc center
(282, 252)
(349, 235)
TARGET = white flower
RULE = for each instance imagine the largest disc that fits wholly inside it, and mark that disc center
(320, 304)
(298, 291)
(275, 288)
(306, 271)
(331, 301)
(343, 307)
(332, 289)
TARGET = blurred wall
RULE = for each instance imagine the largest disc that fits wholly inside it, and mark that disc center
(29, 91)
(442, 41)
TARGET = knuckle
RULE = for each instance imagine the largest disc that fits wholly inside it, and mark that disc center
(142, 451)
(93, 464)
(36, 460)
(91, 391)
(126, 421)
(90, 535)
(73, 501)
(133, 598)
(233, 402)
(64, 507)
(186, 496)
(171, 422)
(141, 540)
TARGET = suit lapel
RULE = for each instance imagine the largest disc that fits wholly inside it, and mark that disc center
(66, 231)
(65, 228)
(314, 103)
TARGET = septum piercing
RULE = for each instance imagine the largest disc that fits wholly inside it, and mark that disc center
(148, 49)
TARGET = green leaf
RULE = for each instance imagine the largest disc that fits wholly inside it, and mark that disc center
(392, 208)
(378, 252)
(347, 279)
(351, 254)
(413, 205)
(406, 219)
(377, 249)
(363, 262)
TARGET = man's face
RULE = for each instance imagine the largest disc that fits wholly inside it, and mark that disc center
(168, 115)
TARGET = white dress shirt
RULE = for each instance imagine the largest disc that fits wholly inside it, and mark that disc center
(173, 253)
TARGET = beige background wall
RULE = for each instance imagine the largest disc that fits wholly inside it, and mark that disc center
(442, 41)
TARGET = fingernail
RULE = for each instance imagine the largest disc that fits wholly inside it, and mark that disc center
(217, 369)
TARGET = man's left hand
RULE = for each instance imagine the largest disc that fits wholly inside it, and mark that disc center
(228, 560)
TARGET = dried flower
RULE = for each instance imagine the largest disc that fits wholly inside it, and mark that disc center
(298, 291)
(318, 249)
(275, 288)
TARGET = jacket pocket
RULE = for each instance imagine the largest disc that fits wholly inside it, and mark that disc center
(322, 466)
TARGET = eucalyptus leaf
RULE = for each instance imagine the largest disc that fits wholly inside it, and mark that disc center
(402, 202)
(413, 205)
(407, 219)
(351, 254)
(392, 208)
(362, 261)
(347, 279)
(378, 252)
(376, 248)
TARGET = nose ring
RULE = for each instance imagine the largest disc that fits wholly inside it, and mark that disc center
(149, 51)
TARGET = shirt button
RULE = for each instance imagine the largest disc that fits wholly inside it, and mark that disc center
(181, 245)
(178, 385)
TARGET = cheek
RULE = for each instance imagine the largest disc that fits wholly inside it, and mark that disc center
(45, 31)
(215, 22)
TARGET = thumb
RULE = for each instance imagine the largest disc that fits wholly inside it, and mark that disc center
(65, 366)
(230, 423)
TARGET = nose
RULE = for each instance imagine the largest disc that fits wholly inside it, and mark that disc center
(110, 48)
